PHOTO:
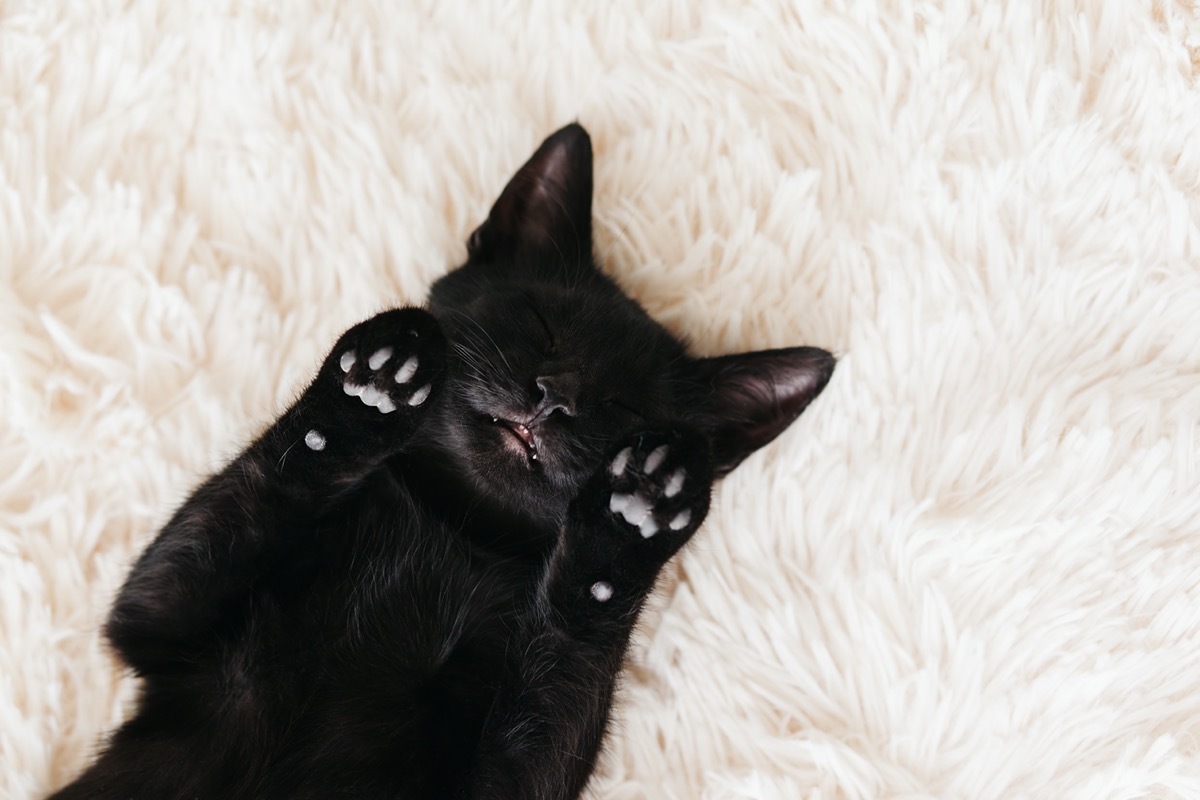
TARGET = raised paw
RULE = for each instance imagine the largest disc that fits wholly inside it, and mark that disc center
(659, 484)
(391, 360)
(646, 500)
(642, 505)
(390, 363)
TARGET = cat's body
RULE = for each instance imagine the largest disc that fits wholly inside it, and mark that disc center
(421, 580)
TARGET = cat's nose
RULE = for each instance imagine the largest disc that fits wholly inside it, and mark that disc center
(557, 393)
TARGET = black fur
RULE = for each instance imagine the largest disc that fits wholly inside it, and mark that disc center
(411, 611)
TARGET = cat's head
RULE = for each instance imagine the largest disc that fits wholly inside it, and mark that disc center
(551, 365)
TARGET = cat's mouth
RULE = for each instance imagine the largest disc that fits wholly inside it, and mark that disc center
(518, 435)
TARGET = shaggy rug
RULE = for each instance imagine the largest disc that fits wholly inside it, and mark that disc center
(972, 570)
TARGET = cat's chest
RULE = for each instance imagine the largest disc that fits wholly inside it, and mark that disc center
(398, 581)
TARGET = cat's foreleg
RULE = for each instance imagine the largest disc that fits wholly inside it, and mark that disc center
(546, 727)
(190, 585)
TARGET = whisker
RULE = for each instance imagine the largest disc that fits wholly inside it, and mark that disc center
(483, 331)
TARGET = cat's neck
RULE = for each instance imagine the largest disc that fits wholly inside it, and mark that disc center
(438, 484)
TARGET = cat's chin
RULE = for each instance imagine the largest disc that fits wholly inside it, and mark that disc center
(509, 458)
(501, 464)
(519, 441)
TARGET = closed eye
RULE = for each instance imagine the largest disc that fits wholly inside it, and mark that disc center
(624, 406)
(545, 325)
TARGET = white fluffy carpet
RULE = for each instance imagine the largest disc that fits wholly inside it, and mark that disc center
(971, 571)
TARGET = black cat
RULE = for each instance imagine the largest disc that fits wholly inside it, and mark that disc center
(420, 582)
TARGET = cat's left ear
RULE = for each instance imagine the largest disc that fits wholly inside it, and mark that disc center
(746, 400)
(547, 206)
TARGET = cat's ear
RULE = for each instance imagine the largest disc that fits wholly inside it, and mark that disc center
(546, 207)
(748, 399)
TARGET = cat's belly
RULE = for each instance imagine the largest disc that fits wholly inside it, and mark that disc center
(412, 640)
(371, 663)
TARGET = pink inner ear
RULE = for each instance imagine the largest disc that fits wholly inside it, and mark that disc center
(756, 396)
(548, 200)
(544, 215)
(552, 175)
(544, 205)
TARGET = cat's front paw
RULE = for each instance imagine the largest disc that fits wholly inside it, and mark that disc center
(392, 361)
(660, 483)
(379, 375)
(646, 502)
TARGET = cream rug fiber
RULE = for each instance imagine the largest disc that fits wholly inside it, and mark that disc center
(972, 570)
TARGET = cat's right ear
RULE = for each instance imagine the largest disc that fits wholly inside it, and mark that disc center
(745, 400)
(546, 209)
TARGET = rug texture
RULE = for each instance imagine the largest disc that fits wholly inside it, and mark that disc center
(972, 569)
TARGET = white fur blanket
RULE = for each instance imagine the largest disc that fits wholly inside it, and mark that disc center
(972, 570)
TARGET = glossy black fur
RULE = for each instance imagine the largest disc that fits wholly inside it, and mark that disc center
(411, 611)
